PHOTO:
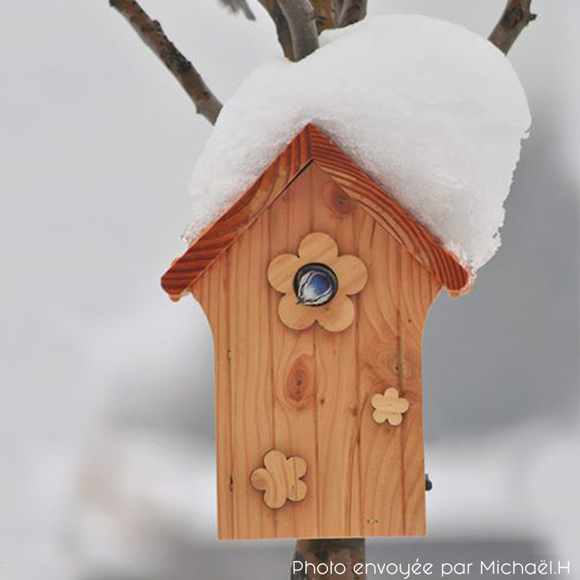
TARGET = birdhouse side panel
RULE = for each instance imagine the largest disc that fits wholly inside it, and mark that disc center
(418, 289)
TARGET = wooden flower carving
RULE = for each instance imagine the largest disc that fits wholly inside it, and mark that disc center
(389, 407)
(279, 479)
(317, 284)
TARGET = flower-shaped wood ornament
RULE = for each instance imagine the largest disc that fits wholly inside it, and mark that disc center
(389, 407)
(317, 284)
(280, 479)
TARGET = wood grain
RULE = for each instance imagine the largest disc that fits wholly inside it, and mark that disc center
(294, 370)
(418, 289)
(382, 509)
(311, 145)
(308, 393)
(210, 292)
(336, 368)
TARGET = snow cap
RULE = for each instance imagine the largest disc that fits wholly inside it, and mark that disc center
(431, 111)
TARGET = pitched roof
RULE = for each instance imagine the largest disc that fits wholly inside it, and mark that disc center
(312, 146)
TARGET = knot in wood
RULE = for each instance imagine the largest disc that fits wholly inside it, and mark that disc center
(389, 360)
(299, 385)
(341, 203)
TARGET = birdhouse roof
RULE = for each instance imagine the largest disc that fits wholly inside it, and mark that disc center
(311, 146)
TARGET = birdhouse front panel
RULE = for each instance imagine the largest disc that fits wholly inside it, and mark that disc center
(318, 406)
(316, 284)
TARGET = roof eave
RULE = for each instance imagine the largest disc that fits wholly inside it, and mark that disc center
(311, 145)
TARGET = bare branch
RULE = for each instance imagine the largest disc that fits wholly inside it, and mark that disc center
(152, 34)
(239, 6)
(326, 16)
(282, 30)
(516, 16)
(326, 12)
(302, 24)
(352, 11)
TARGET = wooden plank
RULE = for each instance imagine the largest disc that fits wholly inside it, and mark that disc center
(210, 293)
(293, 372)
(382, 508)
(235, 299)
(418, 290)
(336, 379)
(251, 428)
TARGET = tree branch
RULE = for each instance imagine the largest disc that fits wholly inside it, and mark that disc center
(326, 13)
(301, 21)
(239, 6)
(152, 35)
(516, 16)
(352, 11)
(326, 16)
(282, 30)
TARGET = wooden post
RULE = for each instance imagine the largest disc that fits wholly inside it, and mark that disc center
(347, 553)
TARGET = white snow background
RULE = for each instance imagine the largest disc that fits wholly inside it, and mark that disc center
(106, 422)
(427, 108)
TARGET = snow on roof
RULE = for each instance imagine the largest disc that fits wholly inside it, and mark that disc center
(428, 109)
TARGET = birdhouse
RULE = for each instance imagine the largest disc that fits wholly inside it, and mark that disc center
(316, 285)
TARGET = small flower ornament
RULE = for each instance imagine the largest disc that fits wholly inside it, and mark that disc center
(280, 479)
(389, 407)
(317, 284)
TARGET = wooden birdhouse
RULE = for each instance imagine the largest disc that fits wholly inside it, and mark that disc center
(316, 284)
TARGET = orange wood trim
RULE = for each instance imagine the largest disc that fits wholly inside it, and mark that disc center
(312, 145)
(221, 233)
(385, 210)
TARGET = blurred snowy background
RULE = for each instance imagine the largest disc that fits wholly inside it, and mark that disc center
(106, 428)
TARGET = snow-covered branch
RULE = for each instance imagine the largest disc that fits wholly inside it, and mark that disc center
(352, 11)
(152, 34)
(516, 16)
(301, 21)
